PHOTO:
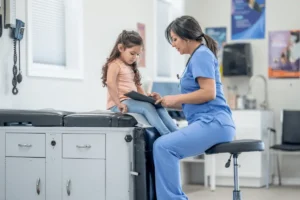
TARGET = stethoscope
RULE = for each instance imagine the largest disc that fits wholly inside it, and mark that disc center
(186, 66)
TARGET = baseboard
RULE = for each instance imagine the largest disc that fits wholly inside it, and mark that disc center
(257, 182)
(287, 181)
(243, 181)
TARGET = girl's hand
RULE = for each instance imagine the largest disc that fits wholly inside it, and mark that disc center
(123, 108)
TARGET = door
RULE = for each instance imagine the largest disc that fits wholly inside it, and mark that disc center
(25, 178)
(83, 179)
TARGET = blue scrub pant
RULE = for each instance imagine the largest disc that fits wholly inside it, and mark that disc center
(189, 141)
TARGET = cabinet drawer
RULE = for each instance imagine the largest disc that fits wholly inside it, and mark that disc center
(84, 146)
(25, 145)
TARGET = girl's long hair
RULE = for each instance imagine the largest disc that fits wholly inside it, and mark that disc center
(128, 39)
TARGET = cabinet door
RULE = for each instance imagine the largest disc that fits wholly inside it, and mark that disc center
(25, 178)
(83, 179)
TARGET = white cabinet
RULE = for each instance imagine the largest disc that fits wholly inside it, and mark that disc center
(39, 163)
(83, 179)
(83, 166)
(74, 165)
(2, 165)
(250, 124)
(25, 166)
(25, 178)
(192, 170)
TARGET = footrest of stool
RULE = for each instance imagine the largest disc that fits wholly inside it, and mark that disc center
(237, 146)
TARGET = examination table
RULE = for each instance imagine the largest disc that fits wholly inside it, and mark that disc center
(59, 155)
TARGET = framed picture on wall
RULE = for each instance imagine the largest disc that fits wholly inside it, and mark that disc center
(142, 31)
(219, 35)
(248, 19)
(284, 54)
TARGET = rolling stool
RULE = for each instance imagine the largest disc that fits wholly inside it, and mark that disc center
(235, 148)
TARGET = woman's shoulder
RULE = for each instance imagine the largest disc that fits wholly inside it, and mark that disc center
(203, 56)
(204, 51)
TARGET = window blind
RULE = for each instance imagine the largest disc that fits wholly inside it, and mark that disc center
(48, 32)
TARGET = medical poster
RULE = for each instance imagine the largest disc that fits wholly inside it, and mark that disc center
(219, 35)
(248, 19)
(142, 32)
(284, 54)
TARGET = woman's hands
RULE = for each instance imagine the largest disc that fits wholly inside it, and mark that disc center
(155, 95)
(166, 101)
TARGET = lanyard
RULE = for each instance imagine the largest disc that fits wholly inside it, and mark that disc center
(193, 54)
(179, 77)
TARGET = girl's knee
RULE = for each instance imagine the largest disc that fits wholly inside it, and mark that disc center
(148, 107)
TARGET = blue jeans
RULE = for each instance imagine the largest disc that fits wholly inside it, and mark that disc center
(157, 117)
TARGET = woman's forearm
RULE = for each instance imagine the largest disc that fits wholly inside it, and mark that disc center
(198, 97)
(177, 106)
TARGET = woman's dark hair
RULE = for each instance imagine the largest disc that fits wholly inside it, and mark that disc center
(128, 39)
(187, 27)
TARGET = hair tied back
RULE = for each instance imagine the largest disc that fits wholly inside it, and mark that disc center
(201, 36)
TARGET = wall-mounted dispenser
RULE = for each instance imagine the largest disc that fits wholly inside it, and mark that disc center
(237, 59)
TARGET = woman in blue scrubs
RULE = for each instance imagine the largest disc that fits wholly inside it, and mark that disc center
(202, 101)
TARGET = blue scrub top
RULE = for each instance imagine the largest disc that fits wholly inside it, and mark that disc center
(203, 63)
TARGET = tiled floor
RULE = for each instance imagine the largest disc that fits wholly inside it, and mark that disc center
(225, 193)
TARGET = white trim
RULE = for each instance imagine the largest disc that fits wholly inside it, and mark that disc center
(74, 68)
(54, 71)
(287, 181)
(154, 39)
(171, 17)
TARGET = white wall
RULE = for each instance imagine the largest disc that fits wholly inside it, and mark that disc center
(283, 93)
(169, 61)
(103, 21)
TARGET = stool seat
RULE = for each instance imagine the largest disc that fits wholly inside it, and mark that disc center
(237, 146)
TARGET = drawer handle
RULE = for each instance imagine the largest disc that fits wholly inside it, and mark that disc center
(25, 145)
(86, 146)
(68, 187)
(134, 173)
(38, 190)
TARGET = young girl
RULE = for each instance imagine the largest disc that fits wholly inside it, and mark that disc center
(121, 75)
